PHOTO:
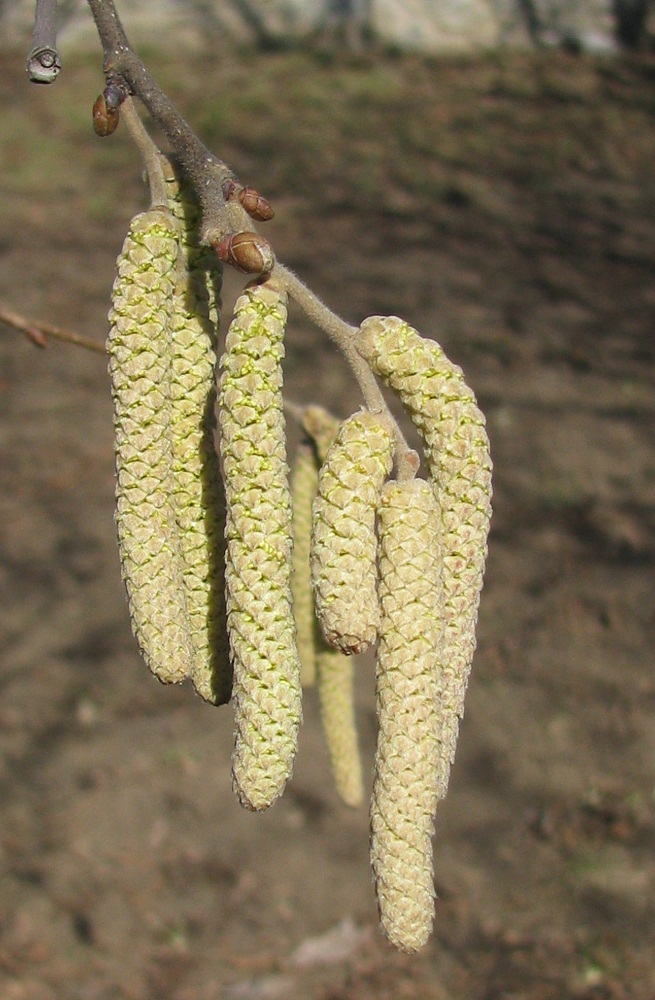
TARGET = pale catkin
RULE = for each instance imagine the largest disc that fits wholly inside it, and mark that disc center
(444, 409)
(408, 693)
(328, 668)
(141, 320)
(304, 483)
(343, 551)
(321, 429)
(197, 494)
(335, 681)
(266, 691)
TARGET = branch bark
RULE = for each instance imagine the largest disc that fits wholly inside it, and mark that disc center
(206, 172)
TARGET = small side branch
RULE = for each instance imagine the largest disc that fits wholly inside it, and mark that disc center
(37, 333)
(43, 62)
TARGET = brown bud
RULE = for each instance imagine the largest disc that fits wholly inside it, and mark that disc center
(105, 119)
(247, 252)
(255, 204)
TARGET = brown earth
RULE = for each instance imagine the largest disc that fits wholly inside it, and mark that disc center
(506, 206)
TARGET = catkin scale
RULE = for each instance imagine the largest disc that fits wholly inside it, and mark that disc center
(198, 495)
(444, 410)
(138, 345)
(343, 551)
(266, 693)
(408, 690)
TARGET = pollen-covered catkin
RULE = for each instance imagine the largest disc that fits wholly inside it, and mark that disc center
(335, 680)
(321, 429)
(443, 408)
(408, 690)
(266, 693)
(198, 494)
(141, 321)
(330, 669)
(343, 552)
(304, 483)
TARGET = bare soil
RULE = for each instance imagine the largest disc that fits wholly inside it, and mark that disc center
(504, 205)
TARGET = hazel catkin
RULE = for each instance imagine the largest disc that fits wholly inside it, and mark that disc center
(444, 409)
(343, 552)
(408, 689)
(335, 684)
(141, 321)
(328, 668)
(266, 692)
(304, 483)
(321, 428)
(197, 487)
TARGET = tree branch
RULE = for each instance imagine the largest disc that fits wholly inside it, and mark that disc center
(206, 172)
(43, 62)
(37, 333)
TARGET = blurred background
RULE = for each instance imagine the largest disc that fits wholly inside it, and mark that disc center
(485, 170)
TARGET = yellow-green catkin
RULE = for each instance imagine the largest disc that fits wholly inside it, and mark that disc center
(198, 495)
(335, 683)
(408, 693)
(141, 320)
(304, 483)
(344, 573)
(445, 411)
(321, 428)
(266, 692)
(330, 669)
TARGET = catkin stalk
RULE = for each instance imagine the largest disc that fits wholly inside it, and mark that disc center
(408, 692)
(138, 345)
(444, 410)
(266, 694)
(343, 551)
(198, 494)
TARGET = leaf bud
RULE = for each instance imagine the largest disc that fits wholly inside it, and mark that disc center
(105, 117)
(255, 204)
(247, 252)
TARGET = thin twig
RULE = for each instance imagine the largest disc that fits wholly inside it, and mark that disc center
(38, 333)
(43, 62)
(220, 218)
(149, 152)
(343, 336)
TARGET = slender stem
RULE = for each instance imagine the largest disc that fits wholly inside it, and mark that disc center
(343, 336)
(149, 152)
(38, 332)
(43, 62)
